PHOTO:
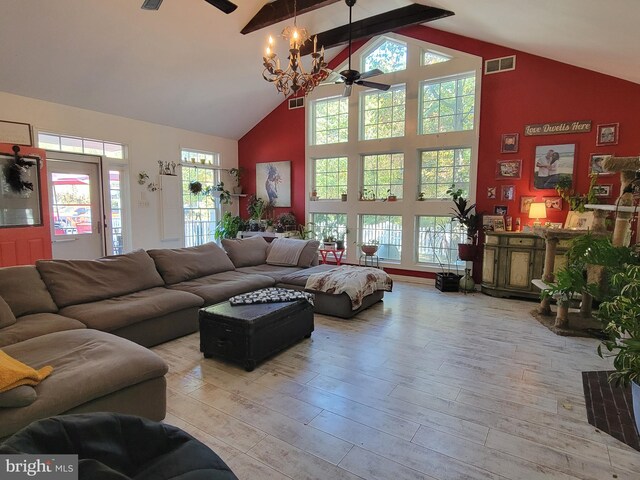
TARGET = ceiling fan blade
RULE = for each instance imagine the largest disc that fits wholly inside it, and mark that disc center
(347, 90)
(333, 77)
(371, 73)
(225, 5)
(379, 86)
(151, 4)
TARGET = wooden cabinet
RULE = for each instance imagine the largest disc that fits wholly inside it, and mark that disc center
(511, 261)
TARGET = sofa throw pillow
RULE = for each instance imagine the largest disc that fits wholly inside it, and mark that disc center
(6, 315)
(181, 264)
(309, 254)
(18, 397)
(292, 252)
(24, 291)
(246, 252)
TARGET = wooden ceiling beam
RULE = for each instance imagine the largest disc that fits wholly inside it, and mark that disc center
(378, 24)
(276, 12)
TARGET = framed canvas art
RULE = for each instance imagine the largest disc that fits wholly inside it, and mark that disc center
(552, 164)
(273, 183)
(508, 169)
(595, 162)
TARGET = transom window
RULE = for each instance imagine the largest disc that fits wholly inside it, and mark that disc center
(429, 57)
(389, 56)
(383, 174)
(327, 225)
(386, 230)
(439, 169)
(437, 240)
(383, 113)
(330, 177)
(201, 213)
(63, 143)
(447, 105)
(330, 120)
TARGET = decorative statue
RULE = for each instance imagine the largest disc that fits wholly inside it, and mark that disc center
(173, 167)
(160, 167)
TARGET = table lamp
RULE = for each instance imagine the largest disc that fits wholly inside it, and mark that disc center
(538, 211)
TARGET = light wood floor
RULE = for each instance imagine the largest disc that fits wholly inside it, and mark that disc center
(423, 385)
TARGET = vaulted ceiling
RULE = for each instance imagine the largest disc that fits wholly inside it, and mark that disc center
(187, 66)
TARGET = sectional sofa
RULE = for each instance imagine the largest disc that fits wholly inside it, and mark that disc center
(91, 319)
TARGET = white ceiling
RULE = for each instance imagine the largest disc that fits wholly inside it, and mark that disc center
(187, 65)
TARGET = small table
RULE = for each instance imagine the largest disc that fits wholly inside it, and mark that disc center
(337, 255)
(247, 334)
(369, 260)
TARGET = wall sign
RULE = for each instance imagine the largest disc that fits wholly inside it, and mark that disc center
(557, 128)
(15, 133)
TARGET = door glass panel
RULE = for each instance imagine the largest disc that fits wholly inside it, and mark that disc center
(71, 204)
(115, 179)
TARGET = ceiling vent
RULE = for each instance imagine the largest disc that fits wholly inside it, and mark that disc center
(496, 65)
(151, 4)
(297, 102)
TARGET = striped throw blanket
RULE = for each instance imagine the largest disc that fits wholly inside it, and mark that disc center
(357, 282)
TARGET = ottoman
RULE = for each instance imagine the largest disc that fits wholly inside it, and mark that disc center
(247, 334)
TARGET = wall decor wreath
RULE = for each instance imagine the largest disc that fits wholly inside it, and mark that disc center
(15, 171)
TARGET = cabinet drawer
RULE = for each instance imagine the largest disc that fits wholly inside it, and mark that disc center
(565, 244)
(521, 241)
(492, 240)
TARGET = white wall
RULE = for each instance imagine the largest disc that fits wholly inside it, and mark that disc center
(147, 143)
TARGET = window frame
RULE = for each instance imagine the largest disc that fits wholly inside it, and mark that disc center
(313, 122)
(381, 40)
(399, 192)
(340, 186)
(440, 81)
(363, 112)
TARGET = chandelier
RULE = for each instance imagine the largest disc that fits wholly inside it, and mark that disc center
(294, 77)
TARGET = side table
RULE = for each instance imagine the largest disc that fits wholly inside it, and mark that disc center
(369, 260)
(337, 255)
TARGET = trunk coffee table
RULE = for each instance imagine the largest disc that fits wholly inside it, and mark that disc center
(247, 334)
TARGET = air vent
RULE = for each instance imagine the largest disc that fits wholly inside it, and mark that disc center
(297, 102)
(151, 4)
(496, 65)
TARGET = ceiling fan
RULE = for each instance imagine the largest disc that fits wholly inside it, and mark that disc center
(225, 5)
(350, 77)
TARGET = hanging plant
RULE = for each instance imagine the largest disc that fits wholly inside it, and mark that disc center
(14, 171)
(195, 187)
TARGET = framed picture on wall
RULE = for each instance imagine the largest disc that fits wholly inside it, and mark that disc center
(491, 192)
(525, 204)
(579, 221)
(273, 182)
(489, 222)
(500, 210)
(509, 143)
(553, 203)
(508, 169)
(607, 134)
(508, 192)
(553, 163)
(602, 191)
(595, 164)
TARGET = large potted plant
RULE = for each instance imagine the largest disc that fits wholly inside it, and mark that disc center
(228, 226)
(465, 215)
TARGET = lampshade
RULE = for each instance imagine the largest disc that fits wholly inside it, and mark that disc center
(538, 210)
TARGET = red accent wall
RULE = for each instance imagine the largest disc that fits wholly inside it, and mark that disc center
(25, 245)
(538, 91)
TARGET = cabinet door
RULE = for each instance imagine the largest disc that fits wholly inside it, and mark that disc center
(489, 266)
(519, 265)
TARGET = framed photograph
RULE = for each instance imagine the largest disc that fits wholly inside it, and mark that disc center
(603, 191)
(273, 183)
(16, 133)
(508, 169)
(552, 164)
(607, 134)
(579, 221)
(500, 210)
(489, 221)
(508, 192)
(553, 203)
(491, 192)
(595, 163)
(498, 225)
(509, 143)
(525, 204)
(555, 226)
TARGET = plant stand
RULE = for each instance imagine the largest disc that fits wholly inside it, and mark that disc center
(448, 282)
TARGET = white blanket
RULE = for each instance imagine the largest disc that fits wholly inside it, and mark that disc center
(285, 252)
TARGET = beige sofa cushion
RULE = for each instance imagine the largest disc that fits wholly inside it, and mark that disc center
(24, 291)
(118, 312)
(274, 271)
(246, 252)
(180, 264)
(18, 397)
(87, 365)
(36, 325)
(72, 282)
(221, 286)
(6, 315)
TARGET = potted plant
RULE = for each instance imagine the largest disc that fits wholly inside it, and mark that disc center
(195, 187)
(367, 195)
(343, 197)
(236, 174)
(286, 221)
(465, 215)
(228, 226)
(421, 197)
(390, 196)
(370, 247)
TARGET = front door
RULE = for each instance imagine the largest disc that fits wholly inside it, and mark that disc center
(75, 192)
